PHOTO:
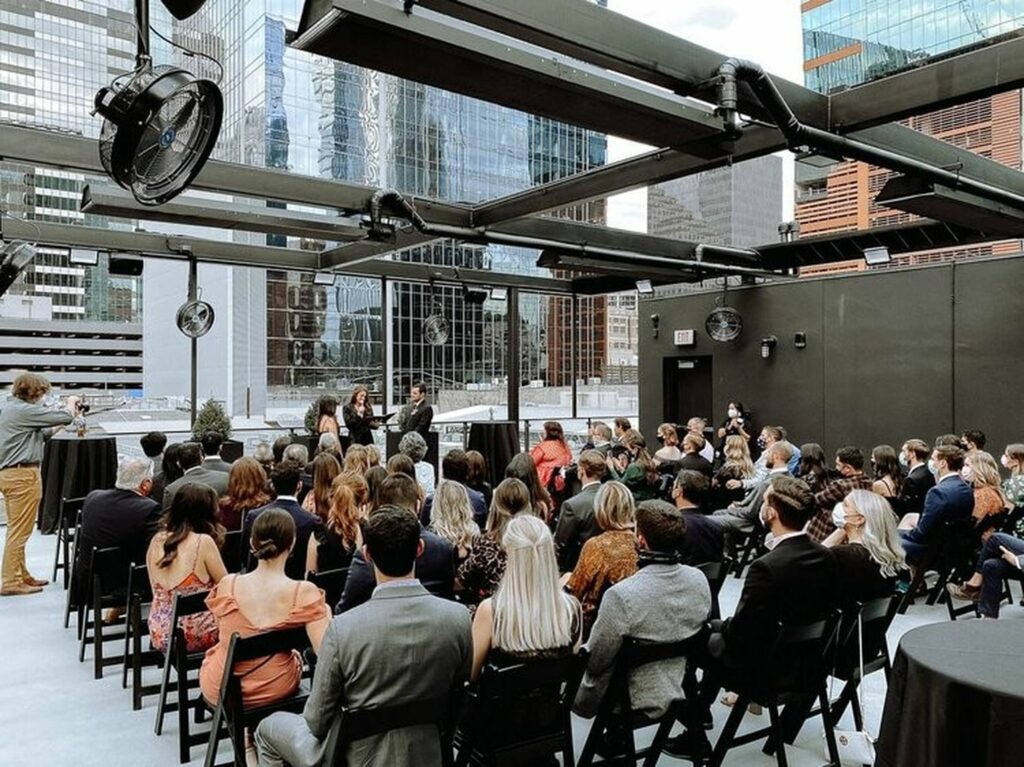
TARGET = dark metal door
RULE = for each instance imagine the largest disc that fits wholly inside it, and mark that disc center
(687, 388)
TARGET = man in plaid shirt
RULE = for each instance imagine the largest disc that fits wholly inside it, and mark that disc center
(850, 465)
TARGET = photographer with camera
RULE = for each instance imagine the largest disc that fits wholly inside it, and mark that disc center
(24, 421)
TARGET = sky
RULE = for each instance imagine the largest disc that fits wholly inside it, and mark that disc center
(765, 31)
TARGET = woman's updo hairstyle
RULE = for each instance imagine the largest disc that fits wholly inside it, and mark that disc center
(273, 534)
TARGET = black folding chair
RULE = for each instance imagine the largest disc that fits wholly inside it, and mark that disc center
(716, 573)
(616, 712)
(749, 549)
(72, 599)
(332, 582)
(543, 691)
(183, 662)
(140, 597)
(795, 669)
(107, 574)
(358, 724)
(67, 523)
(951, 552)
(230, 710)
(231, 551)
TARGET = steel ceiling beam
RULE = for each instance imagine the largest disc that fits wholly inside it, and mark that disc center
(951, 206)
(994, 68)
(449, 54)
(113, 201)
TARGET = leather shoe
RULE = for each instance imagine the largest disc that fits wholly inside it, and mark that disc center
(690, 747)
(30, 581)
(19, 589)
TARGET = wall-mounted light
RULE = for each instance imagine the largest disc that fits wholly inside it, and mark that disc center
(877, 256)
(326, 279)
(655, 322)
(644, 288)
(499, 294)
(768, 344)
(84, 257)
(800, 340)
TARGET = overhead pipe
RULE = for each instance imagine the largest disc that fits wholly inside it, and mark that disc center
(798, 135)
(406, 209)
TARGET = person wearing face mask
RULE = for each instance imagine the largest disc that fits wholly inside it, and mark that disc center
(850, 467)
(741, 517)
(950, 500)
(1012, 460)
(918, 481)
(867, 547)
(795, 583)
(981, 472)
(737, 422)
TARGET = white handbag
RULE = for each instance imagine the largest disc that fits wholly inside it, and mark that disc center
(855, 746)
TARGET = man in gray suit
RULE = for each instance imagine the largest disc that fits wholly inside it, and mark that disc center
(741, 517)
(663, 602)
(191, 458)
(211, 443)
(576, 521)
(404, 645)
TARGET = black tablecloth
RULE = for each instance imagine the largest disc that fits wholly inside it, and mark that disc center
(956, 697)
(72, 467)
(498, 441)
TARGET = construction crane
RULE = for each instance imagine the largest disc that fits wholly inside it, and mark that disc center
(967, 8)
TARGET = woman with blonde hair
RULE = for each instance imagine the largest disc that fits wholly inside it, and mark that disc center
(479, 575)
(357, 459)
(982, 473)
(866, 546)
(669, 438)
(451, 517)
(609, 557)
(736, 465)
(529, 617)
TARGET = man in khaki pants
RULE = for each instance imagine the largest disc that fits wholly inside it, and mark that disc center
(23, 423)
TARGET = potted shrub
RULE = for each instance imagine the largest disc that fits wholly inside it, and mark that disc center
(213, 417)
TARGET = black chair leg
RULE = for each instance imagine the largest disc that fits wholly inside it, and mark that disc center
(60, 540)
(732, 724)
(776, 735)
(658, 744)
(590, 744)
(858, 718)
(164, 683)
(830, 732)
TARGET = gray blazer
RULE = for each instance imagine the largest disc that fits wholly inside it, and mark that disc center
(216, 463)
(218, 480)
(403, 645)
(744, 517)
(660, 603)
(576, 524)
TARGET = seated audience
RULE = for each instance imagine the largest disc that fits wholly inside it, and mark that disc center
(185, 559)
(698, 427)
(211, 443)
(170, 470)
(373, 455)
(264, 456)
(850, 467)
(634, 468)
(1013, 487)
(124, 516)
(455, 467)
(1001, 556)
(247, 490)
(522, 467)
(885, 467)
(362, 664)
(736, 465)
(279, 446)
(769, 436)
(357, 459)
(414, 446)
(480, 574)
(951, 500)
(263, 600)
(867, 548)
(318, 499)
(299, 454)
(742, 517)
(669, 452)
(703, 541)
(329, 444)
(451, 517)
(691, 456)
(374, 479)
(551, 453)
(950, 440)
(609, 557)
(190, 458)
(576, 521)
(663, 602)
(973, 439)
(153, 445)
(918, 480)
(529, 616)
(981, 472)
(360, 488)
(335, 542)
(812, 468)
(477, 479)
(401, 464)
(622, 425)
(600, 438)
(285, 483)
(434, 564)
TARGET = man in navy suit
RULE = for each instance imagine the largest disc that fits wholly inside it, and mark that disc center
(951, 500)
(285, 481)
(435, 565)
(455, 466)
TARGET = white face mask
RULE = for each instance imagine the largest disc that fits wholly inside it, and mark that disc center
(760, 517)
(967, 473)
(733, 412)
(1004, 461)
(903, 460)
(839, 515)
(932, 467)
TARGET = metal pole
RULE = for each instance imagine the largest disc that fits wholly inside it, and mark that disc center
(512, 360)
(574, 339)
(142, 19)
(193, 292)
(386, 362)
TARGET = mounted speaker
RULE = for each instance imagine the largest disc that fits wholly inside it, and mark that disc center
(125, 266)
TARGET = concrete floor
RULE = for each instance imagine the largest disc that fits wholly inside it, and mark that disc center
(54, 712)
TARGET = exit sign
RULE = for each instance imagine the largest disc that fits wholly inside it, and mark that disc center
(683, 337)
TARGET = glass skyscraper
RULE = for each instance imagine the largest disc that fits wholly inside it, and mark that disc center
(847, 42)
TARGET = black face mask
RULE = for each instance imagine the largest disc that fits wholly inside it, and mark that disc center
(661, 440)
(645, 557)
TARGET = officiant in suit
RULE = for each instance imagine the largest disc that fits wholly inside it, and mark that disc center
(417, 415)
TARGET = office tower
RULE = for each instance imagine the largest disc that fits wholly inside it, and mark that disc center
(847, 42)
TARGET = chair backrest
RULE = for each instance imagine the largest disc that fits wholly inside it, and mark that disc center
(331, 581)
(109, 569)
(364, 723)
(875, 618)
(71, 510)
(801, 657)
(139, 587)
(188, 604)
(231, 551)
(716, 573)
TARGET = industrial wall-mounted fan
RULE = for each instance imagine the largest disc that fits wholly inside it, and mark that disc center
(724, 324)
(435, 326)
(195, 318)
(160, 123)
